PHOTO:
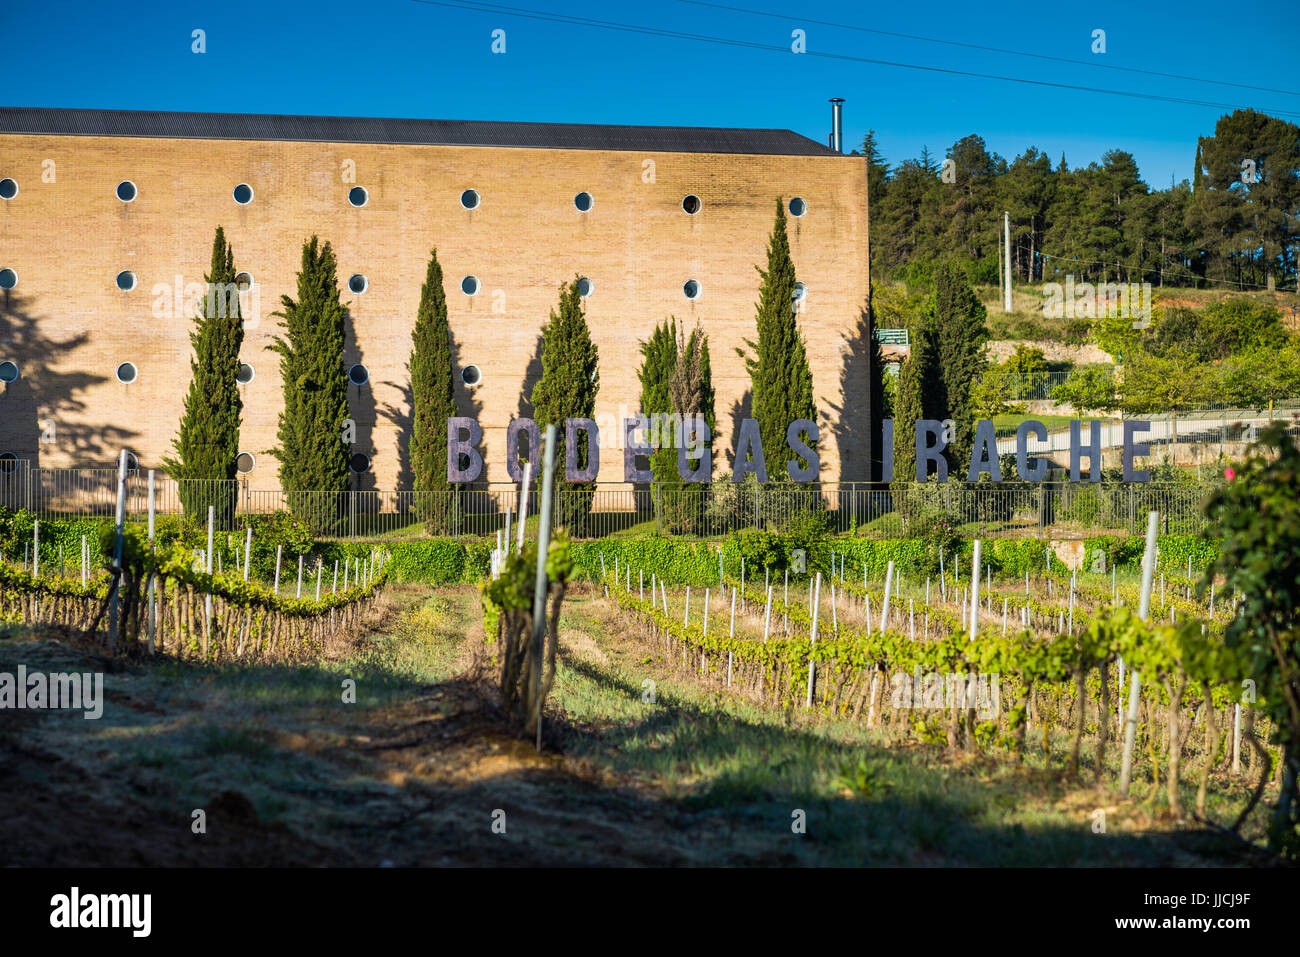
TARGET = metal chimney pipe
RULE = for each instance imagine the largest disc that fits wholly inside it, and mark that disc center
(837, 126)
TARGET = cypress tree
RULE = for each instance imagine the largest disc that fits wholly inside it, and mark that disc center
(567, 389)
(959, 338)
(433, 400)
(207, 443)
(919, 390)
(658, 361)
(778, 369)
(311, 450)
(1198, 170)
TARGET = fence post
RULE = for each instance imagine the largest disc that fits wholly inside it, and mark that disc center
(541, 581)
(153, 608)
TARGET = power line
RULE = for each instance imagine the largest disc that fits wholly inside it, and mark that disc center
(976, 46)
(527, 14)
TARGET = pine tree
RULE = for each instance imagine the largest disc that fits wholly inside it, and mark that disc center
(959, 338)
(311, 451)
(567, 389)
(207, 443)
(778, 369)
(433, 400)
(658, 362)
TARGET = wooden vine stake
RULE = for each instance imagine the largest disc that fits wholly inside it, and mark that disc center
(542, 584)
(1135, 687)
(812, 664)
(119, 521)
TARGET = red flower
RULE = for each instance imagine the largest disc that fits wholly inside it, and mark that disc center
(1229, 474)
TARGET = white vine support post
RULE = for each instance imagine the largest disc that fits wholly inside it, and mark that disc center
(835, 618)
(36, 548)
(786, 600)
(153, 607)
(320, 571)
(1004, 616)
(207, 566)
(706, 613)
(1236, 740)
(523, 504)
(507, 543)
(278, 549)
(85, 555)
(542, 584)
(733, 635)
(884, 605)
(119, 521)
(812, 664)
(686, 621)
(299, 594)
(248, 551)
(1135, 687)
(975, 589)
(334, 590)
(640, 584)
(721, 578)
(943, 581)
(604, 587)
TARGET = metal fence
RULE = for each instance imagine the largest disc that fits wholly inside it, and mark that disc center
(1008, 509)
(1023, 386)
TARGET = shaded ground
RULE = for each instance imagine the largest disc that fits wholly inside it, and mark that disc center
(421, 767)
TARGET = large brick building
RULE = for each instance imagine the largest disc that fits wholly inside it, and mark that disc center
(107, 217)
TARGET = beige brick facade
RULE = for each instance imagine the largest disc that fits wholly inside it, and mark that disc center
(67, 236)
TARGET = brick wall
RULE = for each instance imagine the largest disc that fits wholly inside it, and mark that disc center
(68, 326)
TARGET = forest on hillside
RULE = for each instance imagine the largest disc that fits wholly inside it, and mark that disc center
(1235, 225)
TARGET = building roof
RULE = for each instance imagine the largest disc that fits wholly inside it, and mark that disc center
(346, 129)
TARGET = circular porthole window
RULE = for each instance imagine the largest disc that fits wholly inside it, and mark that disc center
(358, 283)
(126, 191)
(358, 196)
(244, 281)
(798, 207)
(9, 371)
(8, 278)
(127, 372)
(691, 289)
(358, 375)
(8, 463)
(358, 462)
(585, 287)
(8, 188)
(126, 280)
(469, 285)
(691, 204)
(243, 194)
(132, 462)
(471, 376)
(583, 201)
(469, 199)
(245, 374)
(245, 462)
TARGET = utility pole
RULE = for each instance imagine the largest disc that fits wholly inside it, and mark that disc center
(1006, 243)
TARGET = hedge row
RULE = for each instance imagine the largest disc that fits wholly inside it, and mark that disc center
(447, 561)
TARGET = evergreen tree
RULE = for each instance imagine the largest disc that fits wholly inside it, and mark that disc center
(778, 369)
(567, 389)
(311, 451)
(918, 396)
(658, 362)
(959, 338)
(433, 400)
(1198, 170)
(207, 443)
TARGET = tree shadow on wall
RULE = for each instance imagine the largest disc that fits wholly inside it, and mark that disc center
(361, 407)
(37, 411)
(741, 409)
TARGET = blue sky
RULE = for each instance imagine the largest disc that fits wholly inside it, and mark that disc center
(408, 58)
